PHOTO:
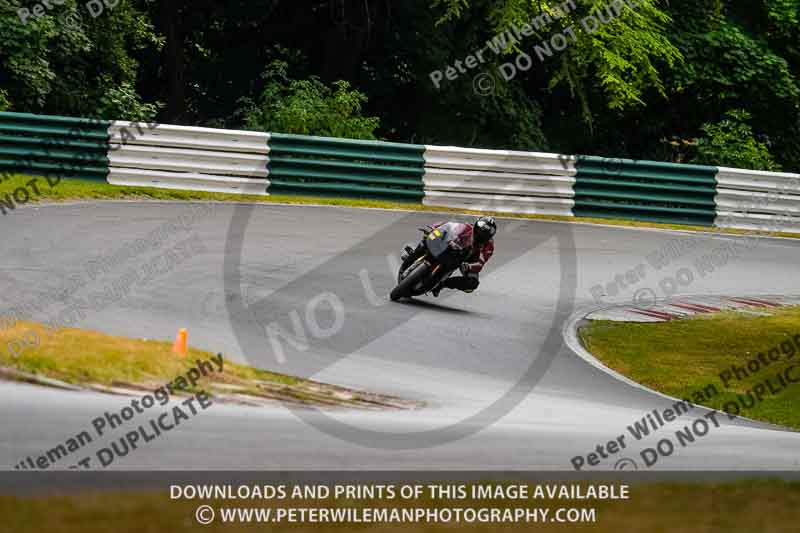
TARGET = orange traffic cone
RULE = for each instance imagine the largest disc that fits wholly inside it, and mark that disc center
(180, 342)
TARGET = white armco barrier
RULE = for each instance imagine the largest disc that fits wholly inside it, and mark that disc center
(439, 179)
(756, 180)
(730, 200)
(499, 180)
(499, 161)
(168, 136)
(758, 222)
(187, 181)
(757, 200)
(180, 157)
(528, 205)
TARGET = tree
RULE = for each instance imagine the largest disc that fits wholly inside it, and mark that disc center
(309, 107)
(613, 47)
(65, 61)
(735, 61)
(731, 143)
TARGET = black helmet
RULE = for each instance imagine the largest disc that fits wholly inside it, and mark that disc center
(484, 229)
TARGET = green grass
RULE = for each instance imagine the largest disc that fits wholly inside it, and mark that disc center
(84, 358)
(683, 358)
(76, 189)
(751, 506)
(79, 357)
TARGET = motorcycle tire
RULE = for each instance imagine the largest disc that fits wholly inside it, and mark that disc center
(403, 289)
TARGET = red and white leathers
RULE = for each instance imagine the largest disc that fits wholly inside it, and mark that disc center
(474, 264)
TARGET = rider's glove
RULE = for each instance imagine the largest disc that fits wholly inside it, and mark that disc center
(464, 268)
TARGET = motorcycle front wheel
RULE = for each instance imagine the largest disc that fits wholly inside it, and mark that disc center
(405, 288)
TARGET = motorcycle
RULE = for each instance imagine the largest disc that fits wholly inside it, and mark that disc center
(446, 247)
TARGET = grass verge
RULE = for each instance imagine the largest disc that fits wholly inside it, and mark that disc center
(29, 351)
(77, 189)
(772, 506)
(695, 358)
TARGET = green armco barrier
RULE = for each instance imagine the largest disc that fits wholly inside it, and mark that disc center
(55, 119)
(327, 166)
(292, 148)
(277, 186)
(76, 131)
(383, 146)
(53, 146)
(645, 190)
(41, 141)
(359, 168)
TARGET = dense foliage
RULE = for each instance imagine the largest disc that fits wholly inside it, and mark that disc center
(309, 107)
(731, 143)
(706, 81)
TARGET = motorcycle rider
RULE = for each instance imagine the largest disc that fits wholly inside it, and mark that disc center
(481, 233)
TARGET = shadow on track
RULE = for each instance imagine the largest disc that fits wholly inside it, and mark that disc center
(433, 306)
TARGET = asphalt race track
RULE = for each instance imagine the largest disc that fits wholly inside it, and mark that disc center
(501, 389)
